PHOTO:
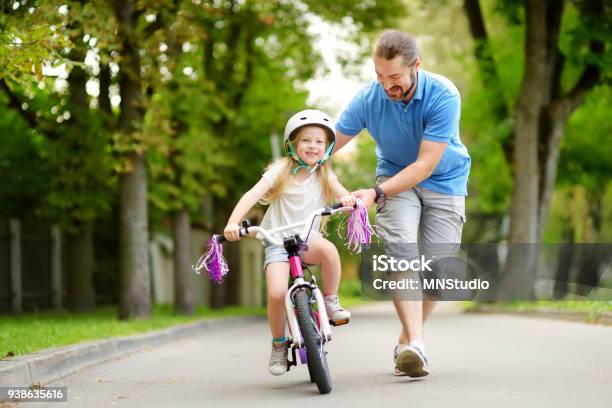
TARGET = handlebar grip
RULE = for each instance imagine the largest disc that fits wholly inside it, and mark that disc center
(219, 238)
(339, 205)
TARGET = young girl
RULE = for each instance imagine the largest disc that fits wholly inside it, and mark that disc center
(294, 186)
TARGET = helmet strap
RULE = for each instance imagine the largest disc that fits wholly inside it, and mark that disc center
(325, 157)
(312, 169)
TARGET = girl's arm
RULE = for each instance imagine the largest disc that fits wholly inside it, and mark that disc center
(248, 200)
(341, 193)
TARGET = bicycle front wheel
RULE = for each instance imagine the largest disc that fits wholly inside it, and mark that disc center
(317, 360)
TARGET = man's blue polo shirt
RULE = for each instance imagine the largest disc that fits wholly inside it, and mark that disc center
(432, 114)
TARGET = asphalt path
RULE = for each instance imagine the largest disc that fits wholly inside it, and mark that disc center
(475, 360)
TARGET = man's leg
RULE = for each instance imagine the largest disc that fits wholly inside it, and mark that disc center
(409, 354)
(442, 220)
(411, 317)
(441, 224)
(399, 220)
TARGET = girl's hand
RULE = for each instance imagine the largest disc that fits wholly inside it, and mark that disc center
(232, 231)
(348, 200)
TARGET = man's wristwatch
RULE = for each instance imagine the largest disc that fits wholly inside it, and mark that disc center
(380, 196)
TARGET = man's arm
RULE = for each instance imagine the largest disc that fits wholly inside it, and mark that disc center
(430, 154)
(341, 140)
(352, 120)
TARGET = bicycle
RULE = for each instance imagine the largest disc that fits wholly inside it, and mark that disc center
(309, 325)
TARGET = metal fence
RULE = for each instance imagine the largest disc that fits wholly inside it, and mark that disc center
(33, 277)
(30, 266)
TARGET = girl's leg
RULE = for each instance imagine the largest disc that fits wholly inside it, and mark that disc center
(277, 276)
(324, 252)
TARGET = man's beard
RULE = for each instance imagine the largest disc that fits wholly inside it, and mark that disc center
(395, 92)
(398, 92)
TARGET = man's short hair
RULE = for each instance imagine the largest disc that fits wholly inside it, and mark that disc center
(392, 43)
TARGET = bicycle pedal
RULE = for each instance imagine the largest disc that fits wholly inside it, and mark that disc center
(291, 362)
(339, 322)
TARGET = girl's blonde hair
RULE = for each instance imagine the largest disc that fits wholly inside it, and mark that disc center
(286, 177)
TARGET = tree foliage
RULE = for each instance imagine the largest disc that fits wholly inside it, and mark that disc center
(191, 90)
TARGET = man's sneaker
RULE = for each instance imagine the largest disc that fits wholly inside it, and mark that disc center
(278, 359)
(336, 314)
(396, 371)
(410, 360)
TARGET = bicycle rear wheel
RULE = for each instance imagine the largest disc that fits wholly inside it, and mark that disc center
(317, 359)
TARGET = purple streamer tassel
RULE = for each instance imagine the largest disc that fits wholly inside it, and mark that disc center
(359, 229)
(213, 262)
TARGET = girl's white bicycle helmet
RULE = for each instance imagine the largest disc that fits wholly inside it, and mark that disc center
(309, 117)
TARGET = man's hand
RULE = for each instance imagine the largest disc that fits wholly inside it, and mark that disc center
(367, 195)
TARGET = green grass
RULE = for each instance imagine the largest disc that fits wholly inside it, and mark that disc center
(591, 308)
(32, 332)
(350, 294)
(349, 302)
(585, 306)
(349, 289)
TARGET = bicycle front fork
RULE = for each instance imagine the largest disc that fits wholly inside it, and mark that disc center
(294, 328)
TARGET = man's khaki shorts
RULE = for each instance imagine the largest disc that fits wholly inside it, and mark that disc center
(431, 219)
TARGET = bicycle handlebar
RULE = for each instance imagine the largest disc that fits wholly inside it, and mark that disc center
(325, 211)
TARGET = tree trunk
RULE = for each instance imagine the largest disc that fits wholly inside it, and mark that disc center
(79, 239)
(593, 256)
(79, 267)
(556, 119)
(181, 236)
(588, 269)
(104, 98)
(559, 106)
(564, 267)
(134, 291)
(519, 270)
(542, 111)
(218, 293)
(552, 119)
(524, 211)
(488, 73)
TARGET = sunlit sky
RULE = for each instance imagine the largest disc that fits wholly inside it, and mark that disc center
(330, 90)
(333, 90)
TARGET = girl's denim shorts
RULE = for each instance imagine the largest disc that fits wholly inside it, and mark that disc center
(273, 253)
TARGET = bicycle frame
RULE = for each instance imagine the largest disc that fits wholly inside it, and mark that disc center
(292, 244)
(297, 273)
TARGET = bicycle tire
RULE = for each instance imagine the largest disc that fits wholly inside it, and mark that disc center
(317, 360)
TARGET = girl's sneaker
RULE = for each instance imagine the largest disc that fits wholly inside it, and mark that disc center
(336, 314)
(278, 359)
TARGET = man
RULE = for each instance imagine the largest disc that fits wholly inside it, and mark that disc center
(422, 170)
